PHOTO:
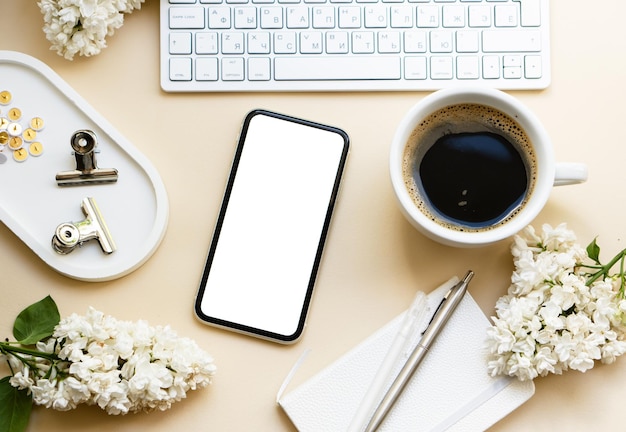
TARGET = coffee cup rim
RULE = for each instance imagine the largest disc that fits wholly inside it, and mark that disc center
(545, 169)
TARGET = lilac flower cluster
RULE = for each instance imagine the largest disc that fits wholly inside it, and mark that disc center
(556, 315)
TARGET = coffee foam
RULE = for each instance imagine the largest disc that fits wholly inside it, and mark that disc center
(453, 119)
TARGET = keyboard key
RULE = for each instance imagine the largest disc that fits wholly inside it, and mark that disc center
(186, 18)
(259, 69)
(389, 42)
(232, 42)
(467, 67)
(415, 68)
(506, 16)
(428, 16)
(349, 17)
(180, 69)
(454, 16)
(415, 41)
(530, 11)
(441, 68)
(311, 42)
(271, 17)
(511, 41)
(337, 68)
(532, 66)
(219, 17)
(479, 16)
(512, 61)
(206, 69)
(206, 43)
(337, 42)
(285, 42)
(512, 72)
(491, 67)
(376, 17)
(180, 43)
(298, 17)
(232, 69)
(245, 17)
(363, 42)
(324, 17)
(259, 42)
(467, 41)
(441, 41)
(401, 16)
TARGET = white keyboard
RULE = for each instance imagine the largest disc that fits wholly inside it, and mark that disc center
(352, 45)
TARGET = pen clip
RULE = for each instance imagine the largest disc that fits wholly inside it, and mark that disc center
(443, 300)
(468, 277)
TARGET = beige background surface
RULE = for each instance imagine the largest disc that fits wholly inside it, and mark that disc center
(374, 261)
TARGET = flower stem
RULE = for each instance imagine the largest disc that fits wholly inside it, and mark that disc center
(604, 271)
(9, 348)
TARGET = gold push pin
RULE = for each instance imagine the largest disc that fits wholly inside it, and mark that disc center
(29, 134)
(15, 143)
(5, 97)
(15, 114)
(4, 122)
(35, 148)
(4, 137)
(36, 123)
(20, 155)
(87, 172)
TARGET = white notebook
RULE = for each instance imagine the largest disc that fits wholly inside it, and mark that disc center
(451, 389)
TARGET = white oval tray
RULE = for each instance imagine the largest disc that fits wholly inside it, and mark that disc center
(32, 205)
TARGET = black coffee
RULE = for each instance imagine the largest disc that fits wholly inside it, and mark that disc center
(476, 179)
(469, 167)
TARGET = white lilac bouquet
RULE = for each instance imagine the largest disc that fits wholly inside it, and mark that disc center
(81, 26)
(95, 359)
(564, 308)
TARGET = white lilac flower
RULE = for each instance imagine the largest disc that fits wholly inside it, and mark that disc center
(81, 26)
(119, 366)
(555, 317)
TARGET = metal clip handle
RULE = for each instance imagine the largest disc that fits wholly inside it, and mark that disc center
(84, 143)
(69, 235)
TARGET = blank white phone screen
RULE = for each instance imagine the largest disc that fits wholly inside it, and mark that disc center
(265, 253)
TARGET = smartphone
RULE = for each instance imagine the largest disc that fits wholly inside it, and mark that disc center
(270, 233)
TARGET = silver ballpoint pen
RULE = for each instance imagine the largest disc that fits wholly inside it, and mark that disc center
(447, 306)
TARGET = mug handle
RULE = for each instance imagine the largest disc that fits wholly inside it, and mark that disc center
(568, 173)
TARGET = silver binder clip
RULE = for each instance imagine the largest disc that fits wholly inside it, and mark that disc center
(69, 235)
(84, 143)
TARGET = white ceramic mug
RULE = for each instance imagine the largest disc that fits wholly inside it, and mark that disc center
(546, 172)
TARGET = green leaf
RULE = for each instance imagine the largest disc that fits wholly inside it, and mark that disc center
(593, 250)
(36, 322)
(15, 407)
